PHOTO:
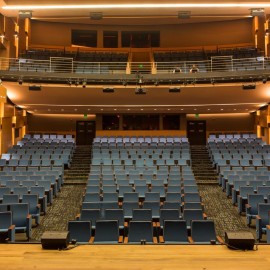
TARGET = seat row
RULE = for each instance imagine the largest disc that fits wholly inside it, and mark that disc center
(142, 232)
(140, 139)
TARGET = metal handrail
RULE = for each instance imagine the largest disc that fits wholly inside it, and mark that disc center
(67, 65)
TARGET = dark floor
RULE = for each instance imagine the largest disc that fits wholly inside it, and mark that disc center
(64, 208)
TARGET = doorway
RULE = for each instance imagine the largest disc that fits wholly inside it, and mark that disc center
(85, 132)
(196, 132)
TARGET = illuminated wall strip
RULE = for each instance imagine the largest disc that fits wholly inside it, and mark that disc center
(140, 6)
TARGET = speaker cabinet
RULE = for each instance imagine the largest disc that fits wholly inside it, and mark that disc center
(55, 240)
(240, 240)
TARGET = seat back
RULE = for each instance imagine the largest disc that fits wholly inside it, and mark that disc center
(10, 198)
(140, 231)
(115, 214)
(107, 231)
(203, 231)
(79, 231)
(175, 231)
(263, 212)
(142, 215)
(5, 220)
(90, 215)
(168, 214)
(192, 214)
(20, 212)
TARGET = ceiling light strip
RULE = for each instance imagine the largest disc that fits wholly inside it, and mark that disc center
(140, 6)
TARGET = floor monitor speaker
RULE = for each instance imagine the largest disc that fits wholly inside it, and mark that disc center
(55, 240)
(240, 240)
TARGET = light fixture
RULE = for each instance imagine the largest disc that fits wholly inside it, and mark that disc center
(174, 90)
(184, 14)
(20, 81)
(16, 34)
(84, 83)
(156, 83)
(77, 83)
(267, 32)
(264, 80)
(140, 91)
(256, 12)
(25, 14)
(96, 15)
(69, 82)
(108, 90)
(124, 83)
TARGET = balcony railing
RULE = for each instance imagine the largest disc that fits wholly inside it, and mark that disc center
(68, 65)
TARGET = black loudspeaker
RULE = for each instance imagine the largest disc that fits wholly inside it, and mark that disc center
(34, 88)
(239, 240)
(249, 87)
(55, 240)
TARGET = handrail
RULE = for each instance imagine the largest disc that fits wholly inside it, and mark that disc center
(68, 65)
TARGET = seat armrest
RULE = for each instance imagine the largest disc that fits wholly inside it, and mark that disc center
(158, 224)
(204, 216)
(258, 217)
(78, 217)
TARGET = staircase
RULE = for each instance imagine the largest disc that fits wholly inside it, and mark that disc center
(140, 63)
(202, 166)
(79, 167)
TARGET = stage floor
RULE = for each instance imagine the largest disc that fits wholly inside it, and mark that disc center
(131, 257)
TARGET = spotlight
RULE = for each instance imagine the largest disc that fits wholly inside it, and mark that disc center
(124, 83)
(213, 82)
(77, 83)
(264, 80)
(156, 83)
(69, 82)
(20, 81)
(140, 91)
(84, 83)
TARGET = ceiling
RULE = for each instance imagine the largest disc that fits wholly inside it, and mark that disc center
(139, 12)
(60, 99)
(63, 99)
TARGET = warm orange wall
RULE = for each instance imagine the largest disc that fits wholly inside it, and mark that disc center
(215, 123)
(62, 124)
(181, 35)
(226, 123)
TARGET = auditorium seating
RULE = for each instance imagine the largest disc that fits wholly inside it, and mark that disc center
(33, 175)
(246, 181)
(140, 196)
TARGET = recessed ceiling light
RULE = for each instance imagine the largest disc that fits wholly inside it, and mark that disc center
(88, 109)
(182, 109)
(155, 109)
(115, 109)
(62, 110)
(195, 109)
(75, 110)
(169, 109)
(128, 109)
(141, 109)
(101, 109)
(246, 109)
(49, 110)
(221, 109)
(208, 109)
(234, 109)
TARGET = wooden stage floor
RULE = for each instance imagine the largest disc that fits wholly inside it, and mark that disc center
(131, 257)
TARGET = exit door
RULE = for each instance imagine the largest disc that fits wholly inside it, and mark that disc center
(85, 132)
(196, 132)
